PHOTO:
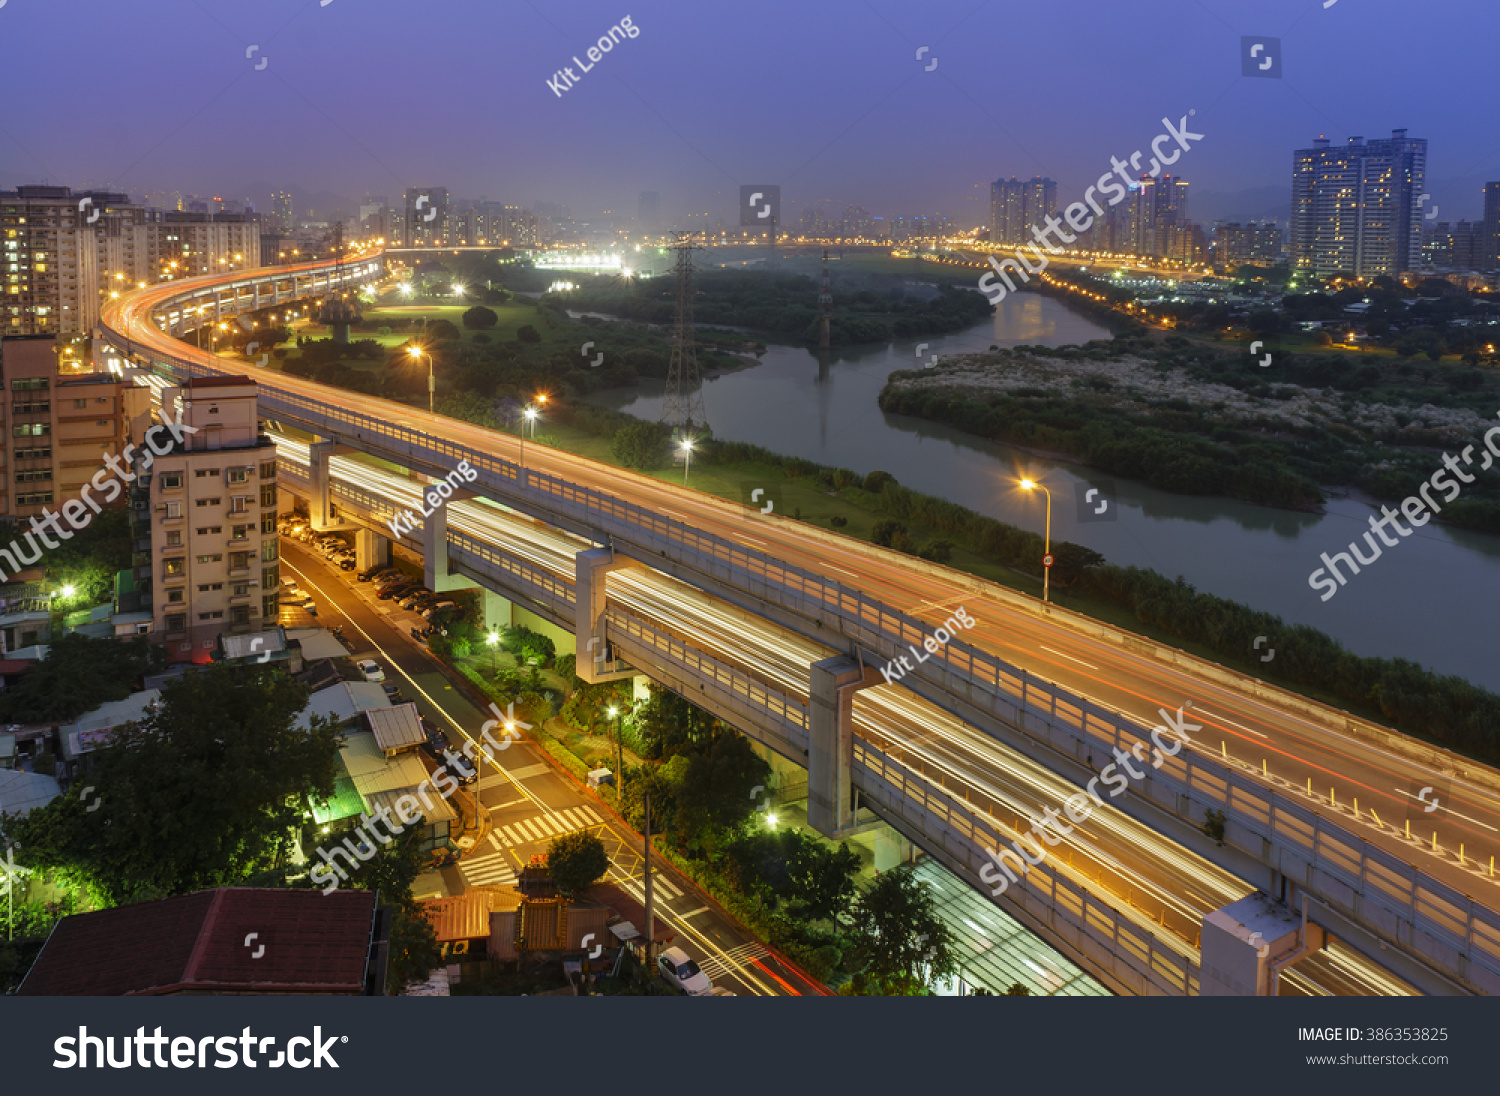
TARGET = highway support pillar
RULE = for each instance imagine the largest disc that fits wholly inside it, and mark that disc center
(320, 506)
(435, 574)
(830, 741)
(371, 549)
(1247, 945)
(596, 660)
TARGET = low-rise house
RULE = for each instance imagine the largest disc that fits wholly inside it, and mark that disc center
(22, 792)
(231, 940)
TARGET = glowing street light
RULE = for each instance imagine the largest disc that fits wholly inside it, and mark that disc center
(417, 352)
(1028, 485)
(493, 639)
(687, 452)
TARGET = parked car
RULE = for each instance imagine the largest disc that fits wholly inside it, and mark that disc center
(392, 692)
(675, 966)
(347, 564)
(371, 669)
(371, 573)
(289, 583)
(439, 607)
(390, 590)
(411, 599)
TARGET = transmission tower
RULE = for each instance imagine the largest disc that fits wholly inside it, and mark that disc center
(825, 305)
(682, 404)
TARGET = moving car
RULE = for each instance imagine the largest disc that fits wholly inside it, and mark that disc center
(675, 966)
(371, 669)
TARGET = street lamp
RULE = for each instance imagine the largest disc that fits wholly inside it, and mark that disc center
(69, 591)
(527, 415)
(416, 352)
(1028, 485)
(687, 452)
(614, 713)
(493, 639)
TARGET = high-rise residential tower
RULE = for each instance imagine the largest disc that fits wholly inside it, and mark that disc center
(1356, 208)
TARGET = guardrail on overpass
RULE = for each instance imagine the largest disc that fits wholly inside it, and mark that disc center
(1394, 900)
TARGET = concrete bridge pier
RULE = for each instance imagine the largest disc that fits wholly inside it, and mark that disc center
(830, 741)
(596, 660)
(371, 549)
(320, 506)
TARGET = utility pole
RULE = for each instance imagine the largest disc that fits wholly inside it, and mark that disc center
(650, 912)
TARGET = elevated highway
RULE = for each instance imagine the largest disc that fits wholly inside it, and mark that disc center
(1030, 682)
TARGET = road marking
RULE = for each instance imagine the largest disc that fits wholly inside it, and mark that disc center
(693, 913)
(1448, 810)
(831, 567)
(1070, 658)
(488, 871)
(1232, 723)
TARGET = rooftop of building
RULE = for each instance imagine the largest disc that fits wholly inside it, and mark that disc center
(307, 942)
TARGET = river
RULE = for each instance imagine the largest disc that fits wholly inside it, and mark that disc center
(1428, 599)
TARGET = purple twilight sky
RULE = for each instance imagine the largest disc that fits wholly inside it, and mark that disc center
(827, 99)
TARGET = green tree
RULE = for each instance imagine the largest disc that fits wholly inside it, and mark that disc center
(79, 674)
(528, 334)
(202, 792)
(718, 792)
(577, 861)
(900, 933)
(822, 878)
(480, 318)
(666, 724)
(641, 445)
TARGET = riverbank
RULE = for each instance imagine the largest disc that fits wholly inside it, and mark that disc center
(1198, 421)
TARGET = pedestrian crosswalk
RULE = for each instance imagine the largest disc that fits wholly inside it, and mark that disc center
(717, 965)
(544, 827)
(491, 870)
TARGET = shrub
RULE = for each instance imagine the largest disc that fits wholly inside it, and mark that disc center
(875, 482)
(480, 318)
(939, 551)
(838, 521)
(886, 532)
(528, 334)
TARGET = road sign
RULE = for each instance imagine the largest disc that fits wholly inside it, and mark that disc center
(1047, 560)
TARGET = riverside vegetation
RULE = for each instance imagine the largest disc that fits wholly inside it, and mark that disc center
(1197, 420)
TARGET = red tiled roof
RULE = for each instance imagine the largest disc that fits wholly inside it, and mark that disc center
(195, 943)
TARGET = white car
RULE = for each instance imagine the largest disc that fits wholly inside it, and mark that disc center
(682, 972)
(371, 669)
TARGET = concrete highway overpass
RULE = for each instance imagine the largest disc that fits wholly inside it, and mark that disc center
(780, 627)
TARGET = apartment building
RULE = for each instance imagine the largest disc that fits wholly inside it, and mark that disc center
(60, 419)
(1355, 208)
(63, 252)
(211, 511)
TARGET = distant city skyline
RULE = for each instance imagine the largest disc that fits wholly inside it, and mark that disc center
(842, 111)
